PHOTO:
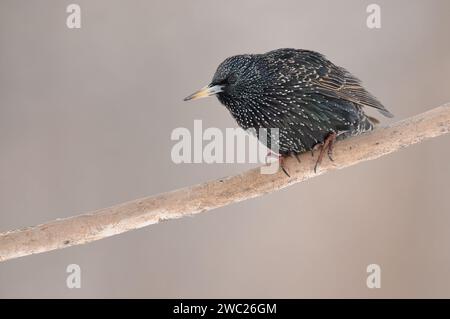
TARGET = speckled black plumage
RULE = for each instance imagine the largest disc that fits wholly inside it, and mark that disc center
(298, 91)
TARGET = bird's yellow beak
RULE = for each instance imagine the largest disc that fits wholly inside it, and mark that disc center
(205, 92)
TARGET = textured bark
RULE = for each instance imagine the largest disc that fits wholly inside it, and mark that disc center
(191, 200)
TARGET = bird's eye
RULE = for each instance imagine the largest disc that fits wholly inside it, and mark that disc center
(231, 79)
(221, 82)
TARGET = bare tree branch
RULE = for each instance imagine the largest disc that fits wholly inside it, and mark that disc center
(191, 200)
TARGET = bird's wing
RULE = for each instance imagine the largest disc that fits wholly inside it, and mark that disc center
(334, 81)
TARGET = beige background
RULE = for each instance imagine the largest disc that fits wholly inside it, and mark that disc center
(85, 122)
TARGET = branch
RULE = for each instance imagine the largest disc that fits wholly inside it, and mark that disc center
(191, 200)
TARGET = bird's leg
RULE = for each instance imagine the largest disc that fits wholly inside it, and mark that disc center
(315, 148)
(327, 145)
(281, 159)
(332, 137)
(296, 157)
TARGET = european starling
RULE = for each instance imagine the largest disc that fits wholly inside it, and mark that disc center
(309, 99)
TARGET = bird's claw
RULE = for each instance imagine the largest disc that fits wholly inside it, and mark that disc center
(328, 145)
(285, 171)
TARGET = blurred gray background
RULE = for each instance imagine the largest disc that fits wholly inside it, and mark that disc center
(85, 122)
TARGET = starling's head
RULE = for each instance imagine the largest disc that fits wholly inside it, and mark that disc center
(234, 79)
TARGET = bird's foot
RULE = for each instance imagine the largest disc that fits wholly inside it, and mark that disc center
(296, 157)
(327, 145)
(281, 159)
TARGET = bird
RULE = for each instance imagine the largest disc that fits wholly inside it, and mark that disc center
(309, 99)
